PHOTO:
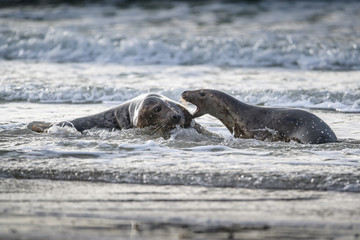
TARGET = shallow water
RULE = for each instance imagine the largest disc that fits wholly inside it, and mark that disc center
(183, 156)
(59, 62)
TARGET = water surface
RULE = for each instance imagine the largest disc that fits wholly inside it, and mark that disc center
(59, 62)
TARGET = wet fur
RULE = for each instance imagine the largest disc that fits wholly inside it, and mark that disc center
(248, 121)
(135, 113)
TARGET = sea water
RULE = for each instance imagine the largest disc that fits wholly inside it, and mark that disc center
(59, 62)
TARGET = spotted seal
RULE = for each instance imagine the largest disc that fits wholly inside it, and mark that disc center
(248, 121)
(148, 110)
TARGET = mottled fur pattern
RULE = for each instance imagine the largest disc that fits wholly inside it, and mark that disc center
(149, 110)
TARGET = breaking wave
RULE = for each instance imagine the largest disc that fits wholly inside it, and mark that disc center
(303, 181)
(314, 36)
(348, 101)
(58, 46)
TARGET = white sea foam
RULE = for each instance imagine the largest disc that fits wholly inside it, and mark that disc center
(247, 35)
(312, 99)
(69, 47)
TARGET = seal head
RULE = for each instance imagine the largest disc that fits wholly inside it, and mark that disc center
(160, 112)
(204, 100)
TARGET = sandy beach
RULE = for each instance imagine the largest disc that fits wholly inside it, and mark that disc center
(45, 209)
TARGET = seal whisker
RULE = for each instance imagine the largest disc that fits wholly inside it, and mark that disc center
(157, 129)
(161, 129)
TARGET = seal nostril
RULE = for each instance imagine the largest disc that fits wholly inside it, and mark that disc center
(176, 117)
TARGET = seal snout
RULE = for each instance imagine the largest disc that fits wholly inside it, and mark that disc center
(188, 96)
(192, 97)
(185, 95)
(176, 117)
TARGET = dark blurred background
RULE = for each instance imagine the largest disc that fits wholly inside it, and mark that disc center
(120, 3)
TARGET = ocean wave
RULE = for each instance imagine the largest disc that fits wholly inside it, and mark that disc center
(311, 98)
(62, 46)
(341, 101)
(66, 94)
(303, 181)
(180, 33)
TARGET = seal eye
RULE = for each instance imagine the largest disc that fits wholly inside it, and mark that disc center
(202, 94)
(157, 109)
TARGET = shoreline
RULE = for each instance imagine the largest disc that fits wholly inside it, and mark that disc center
(48, 209)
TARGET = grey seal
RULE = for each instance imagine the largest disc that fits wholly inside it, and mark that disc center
(148, 110)
(249, 121)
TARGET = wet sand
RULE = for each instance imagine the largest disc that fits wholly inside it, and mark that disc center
(46, 209)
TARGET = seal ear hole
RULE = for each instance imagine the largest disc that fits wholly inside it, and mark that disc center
(157, 109)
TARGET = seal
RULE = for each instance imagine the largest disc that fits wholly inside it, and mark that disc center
(148, 110)
(248, 121)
